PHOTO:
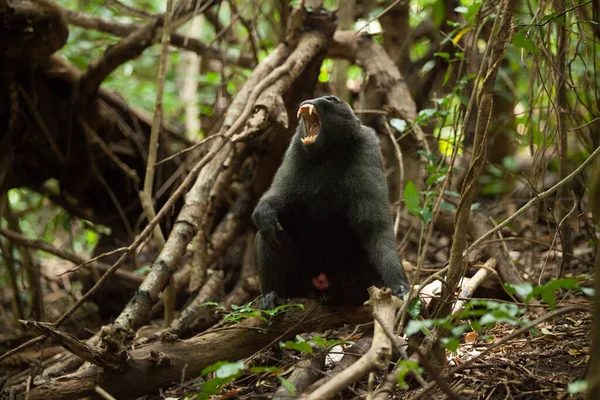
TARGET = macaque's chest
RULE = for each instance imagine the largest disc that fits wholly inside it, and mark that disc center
(323, 194)
(322, 224)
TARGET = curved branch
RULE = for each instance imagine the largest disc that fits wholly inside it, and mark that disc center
(84, 20)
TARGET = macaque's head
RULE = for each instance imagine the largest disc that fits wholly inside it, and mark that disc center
(325, 121)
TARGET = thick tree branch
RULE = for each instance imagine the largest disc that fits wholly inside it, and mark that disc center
(158, 365)
(204, 196)
(77, 347)
(122, 29)
(131, 47)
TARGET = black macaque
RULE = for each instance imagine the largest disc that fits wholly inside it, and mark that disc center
(324, 226)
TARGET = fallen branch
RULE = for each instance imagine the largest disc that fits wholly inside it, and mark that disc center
(306, 372)
(377, 358)
(360, 347)
(159, 364)
(469, 285)
(424, 351)
(76, 346)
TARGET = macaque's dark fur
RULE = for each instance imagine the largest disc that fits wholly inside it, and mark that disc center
(327, 212)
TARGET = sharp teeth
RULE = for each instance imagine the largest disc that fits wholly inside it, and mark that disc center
(308, 107)
(308, 140)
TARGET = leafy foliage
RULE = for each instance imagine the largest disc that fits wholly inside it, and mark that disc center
(548, 291)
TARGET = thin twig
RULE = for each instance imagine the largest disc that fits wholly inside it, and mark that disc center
(539, 197)
(388, 8)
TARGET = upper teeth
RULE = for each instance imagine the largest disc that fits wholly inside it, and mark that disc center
(310, 108)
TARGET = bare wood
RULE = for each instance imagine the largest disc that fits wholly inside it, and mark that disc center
(378, 356)
(146, 194)
(158, 365)
(468, 287)
(306, 372)
(379, 66)
(208, 292)
(360, 347)
(76, 346)
(131, 47)
(66, 255)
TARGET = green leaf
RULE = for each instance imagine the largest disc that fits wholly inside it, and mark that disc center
(354, 72)
(547, 291)
(285, 307)
(213, 77)
(424, 115)
(447, 206)
(261, 370)
(588, 291)
(438, 12)
(450, 343)
(303, 347)
(289, 386)
(406, 366)
(443, 55)
(319, 340)
(430, 156)
(425, 214)
(224, 369)
(522, 289)
(458, 331)
(554, 17)
(415, 326)
(211, 388)
(578, 386)
(412, 199)
(521, 41)
(414, 310)
(230, 369)
(398, 124)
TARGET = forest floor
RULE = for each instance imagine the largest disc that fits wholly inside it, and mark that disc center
(539, 364)
(536, 366)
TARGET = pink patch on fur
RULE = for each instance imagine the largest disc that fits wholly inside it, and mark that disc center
(320, 281)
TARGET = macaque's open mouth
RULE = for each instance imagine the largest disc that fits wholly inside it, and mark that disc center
(311, 122)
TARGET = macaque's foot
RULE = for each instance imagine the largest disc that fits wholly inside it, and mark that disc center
(270, 301)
